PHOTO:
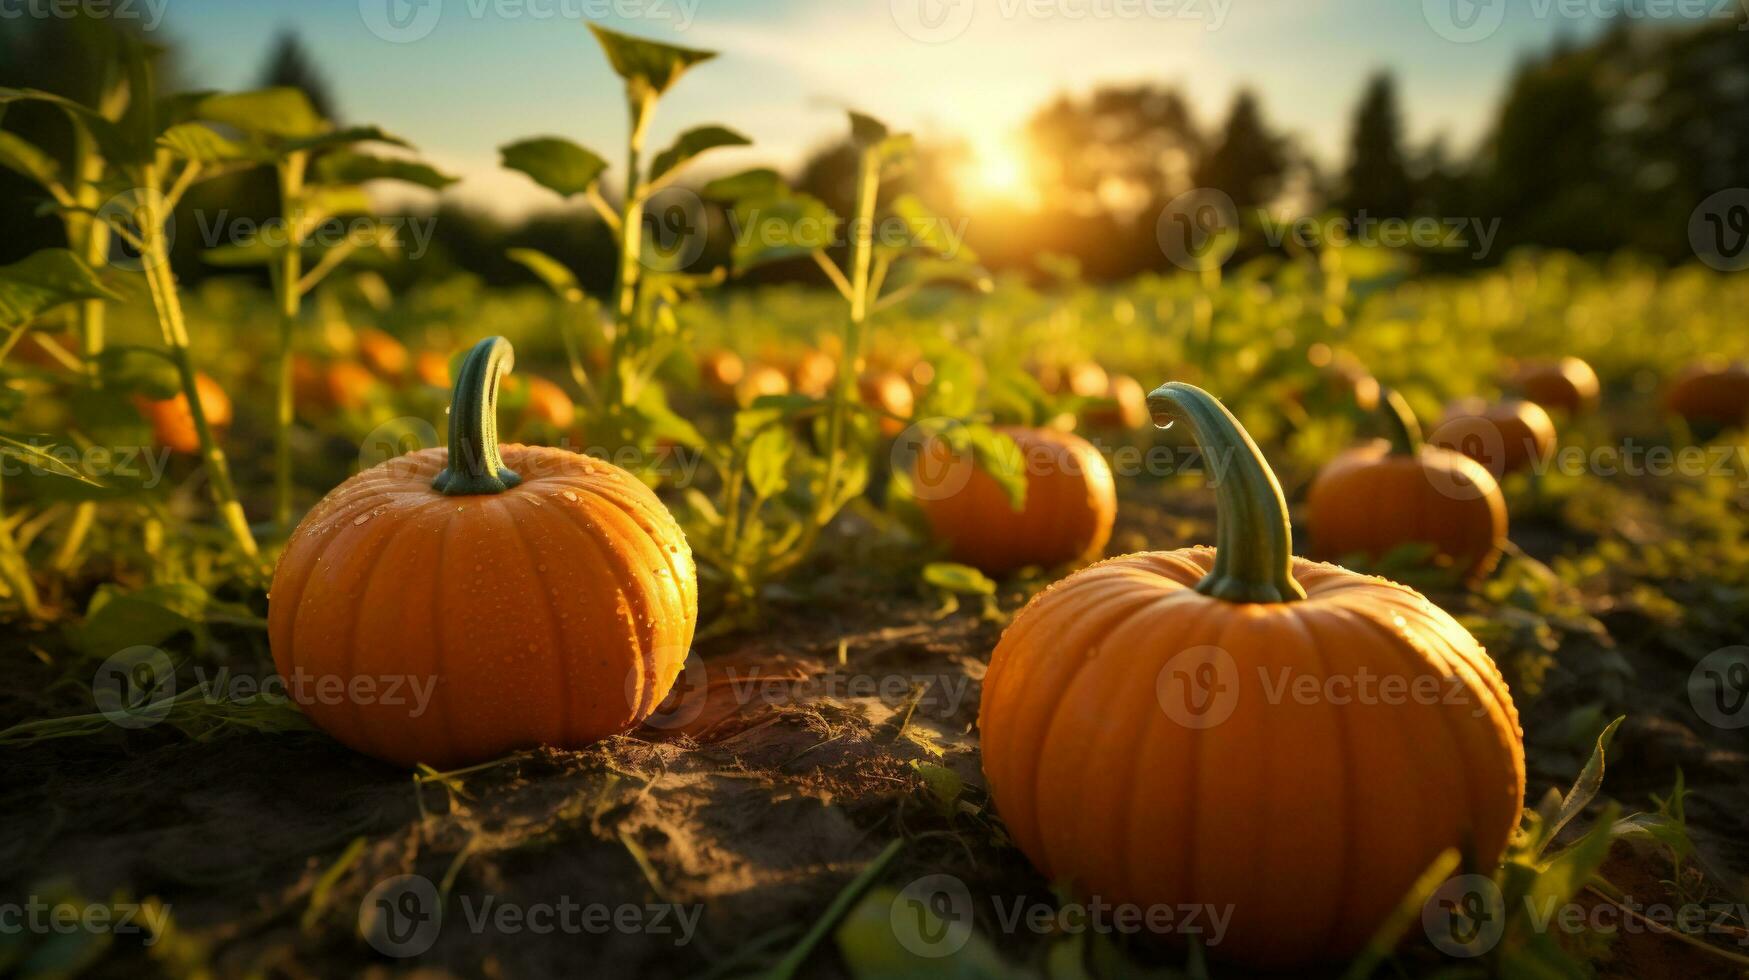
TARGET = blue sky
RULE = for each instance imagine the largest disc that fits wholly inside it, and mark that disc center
(461, 77)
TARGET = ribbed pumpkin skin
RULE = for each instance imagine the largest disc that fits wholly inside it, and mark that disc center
(556, 612)
(1071, 504)
(1370, 501)
(1505, 437)
(1308, 818)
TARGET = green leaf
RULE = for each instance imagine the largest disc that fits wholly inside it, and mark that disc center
(866, 131)
(774, 229)
(1573, 868)
(38, 458)
(758, 182)
(202, 144)
(557, 164)
(692, 143)
(1585, 788)
(341, 137)
(140, 370)
(357, 168)
(43, 281)
(117, 619)
(891, 935)
(283, 111)
(639, 60)
(241, 255)
(20, 155)
(767, 458)
(550, 271)
(944, 785)
(997, 455)
(958, 579)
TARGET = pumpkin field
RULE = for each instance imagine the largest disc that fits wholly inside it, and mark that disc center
(804, 592)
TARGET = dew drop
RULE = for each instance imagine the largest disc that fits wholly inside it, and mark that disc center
(570, 495)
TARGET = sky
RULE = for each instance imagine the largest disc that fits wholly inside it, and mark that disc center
(458, 78)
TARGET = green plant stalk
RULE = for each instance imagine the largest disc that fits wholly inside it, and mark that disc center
(1254, 553)
(1401, 428)
(287, 273)
(850, 368)
(640, 105)
(161, 283)
(91, 238)
(16, 573)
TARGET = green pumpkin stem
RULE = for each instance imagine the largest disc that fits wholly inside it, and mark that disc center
(475, 467)
(1254, 542)
(1401, 428)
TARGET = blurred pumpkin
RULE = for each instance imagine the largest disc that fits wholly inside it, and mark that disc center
(1067, 516)
(546, 403)
(761, 380)
(1566, 385)
(812, 373)
(172, 421)
(719, 371)
(888, 392)
(1123, 406)
(432, 368)
(385, 356)
(344, 385)
(1398, 491)
(1711, 393)
(1341, 379)
(1080, 379)
(1148, 686)
(534, 595)
(1506, 436)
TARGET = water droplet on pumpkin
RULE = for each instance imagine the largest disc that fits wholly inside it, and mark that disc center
(570, 495)
(360, 519)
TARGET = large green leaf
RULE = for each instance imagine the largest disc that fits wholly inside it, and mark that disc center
(202, 144)
(357, 168)
(653, 63)
(555, 163)
(773, 229)
(43, 281)
(692, 143)
(549, 270)
(758, 182)
(22, 156)
(284, 112)
(39, 459)
(342, 137)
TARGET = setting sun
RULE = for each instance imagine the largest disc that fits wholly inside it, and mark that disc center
(997, 172)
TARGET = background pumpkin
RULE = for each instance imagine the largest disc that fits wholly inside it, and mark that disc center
(1071, 502)
(1567, 385)
(888, 392)
(549, 597)
(759, 381)
(173, 424)
(385, 356)
(719, 371)
(1710, 393)
(1505, 436)
(1392, 492)
(1307, 819)
(1124, 405)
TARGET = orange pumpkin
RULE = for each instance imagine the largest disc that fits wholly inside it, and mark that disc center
(889, 393)
(1566, 385)
(1711, 393)
(1341, 380)
(173, 423)
(720, 371)
(762, 380)
(1506, 436)
(1123, 406)
(1067, 516)
(342, 385)
(1392, 492)
(432, 368)
(1198, 726)
(548, 405)
(812, 373)
(450, 609)
(386, 357)
(1081, 379)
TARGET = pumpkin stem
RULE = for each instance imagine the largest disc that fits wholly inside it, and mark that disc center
(1401, 428)
(475, 467)
(1254, 542)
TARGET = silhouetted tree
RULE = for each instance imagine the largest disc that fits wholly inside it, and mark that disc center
(289, 64)
(1377, 179)
(1249, 162)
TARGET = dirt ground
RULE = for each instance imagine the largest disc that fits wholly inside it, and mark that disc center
(752, 817)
